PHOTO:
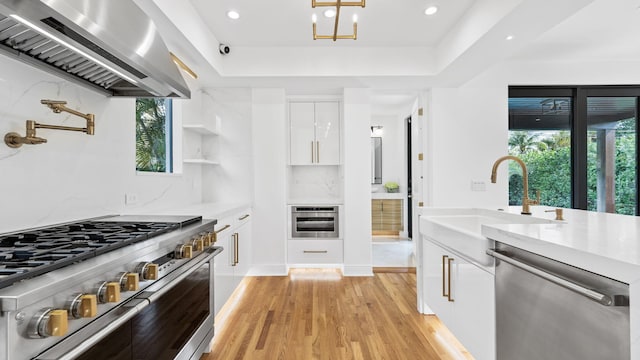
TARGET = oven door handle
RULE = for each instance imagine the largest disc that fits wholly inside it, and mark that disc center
(70, 348)
(165, 284)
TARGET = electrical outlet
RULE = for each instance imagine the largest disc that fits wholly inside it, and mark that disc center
(130, 199)
(478, 185)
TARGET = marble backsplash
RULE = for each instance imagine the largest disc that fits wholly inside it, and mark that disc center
(74, 175)
(315, 183)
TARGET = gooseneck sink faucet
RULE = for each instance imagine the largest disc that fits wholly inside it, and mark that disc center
(525, 182)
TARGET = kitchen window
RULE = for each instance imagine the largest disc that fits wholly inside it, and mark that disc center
(580, 144)
(153, 135)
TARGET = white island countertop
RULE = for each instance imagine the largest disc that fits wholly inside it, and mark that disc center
(606, 244)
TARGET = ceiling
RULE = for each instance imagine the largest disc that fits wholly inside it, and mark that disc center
(288, 22)
(399, 50)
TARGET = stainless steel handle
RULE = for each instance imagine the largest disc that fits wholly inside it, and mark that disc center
(315, 251)
(318, 152)
(444, 276)
(162, 287)
(313, 156)
(588, 293)
(243, 217)
(223, 229)
(450, 260)
(107, 329)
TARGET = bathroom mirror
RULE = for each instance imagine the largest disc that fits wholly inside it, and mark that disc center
(376, 160)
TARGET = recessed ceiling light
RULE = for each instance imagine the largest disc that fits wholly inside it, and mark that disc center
(431, 10)
(233, 15)
(509, 37)
(329, 13)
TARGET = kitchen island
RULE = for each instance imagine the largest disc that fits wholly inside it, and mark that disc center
(604, 244)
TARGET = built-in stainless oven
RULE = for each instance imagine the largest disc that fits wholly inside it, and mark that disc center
(314, 221)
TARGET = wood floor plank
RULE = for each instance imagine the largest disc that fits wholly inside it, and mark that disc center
(322, 315)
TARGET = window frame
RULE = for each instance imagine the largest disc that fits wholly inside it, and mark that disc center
(169, 140)
(578, 127)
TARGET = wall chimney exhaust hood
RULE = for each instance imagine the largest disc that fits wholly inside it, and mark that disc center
(111, 46)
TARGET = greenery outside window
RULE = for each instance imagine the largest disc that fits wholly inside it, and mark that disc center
(580, 144)
(153, 135)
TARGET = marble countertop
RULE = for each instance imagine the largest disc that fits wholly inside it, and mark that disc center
(212, 210)
(386, 195)
(607, 244)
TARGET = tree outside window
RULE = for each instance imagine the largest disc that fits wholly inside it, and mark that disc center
(153, 135)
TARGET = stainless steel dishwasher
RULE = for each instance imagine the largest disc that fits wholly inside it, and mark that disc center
(547, 310)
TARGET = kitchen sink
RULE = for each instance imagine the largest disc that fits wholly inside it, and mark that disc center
(461, 229)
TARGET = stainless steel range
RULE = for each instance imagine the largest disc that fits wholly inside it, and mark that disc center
(116, 287)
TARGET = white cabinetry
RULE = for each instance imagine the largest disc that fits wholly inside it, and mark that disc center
(309, 253)
(314, 133)
(461, 294)
(233, 234)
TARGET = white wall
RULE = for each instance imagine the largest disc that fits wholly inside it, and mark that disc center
(466, 130)
(74, 175)
(232, 180)
(357, 182)
(269, 168)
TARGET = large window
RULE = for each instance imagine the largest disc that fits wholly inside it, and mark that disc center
(540, 134)
(153, 135)
(580, 145)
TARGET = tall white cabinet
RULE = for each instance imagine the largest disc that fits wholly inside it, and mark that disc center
(315, 133)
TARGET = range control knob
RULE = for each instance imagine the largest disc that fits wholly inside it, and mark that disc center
(108, 292)
(129, 281)
(183, 251)
(207, 239)
(83, 306)
(147, 271)
(48, 322)
(197, 244)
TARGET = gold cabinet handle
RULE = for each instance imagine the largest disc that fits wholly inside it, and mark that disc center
(313, 156)
(315, 251)
(223, 229)
(450, 260)
(243, 217)
(444, 276)
(236, 256)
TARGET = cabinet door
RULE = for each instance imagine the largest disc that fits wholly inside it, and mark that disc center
(473, 320)
(243, 250)
(435, 286)
(327, 134)
(224, 281)
(469, 311)
(376, 215)
(392, 215)
(302, 133)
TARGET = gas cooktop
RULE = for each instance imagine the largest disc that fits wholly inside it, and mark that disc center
(34, 252)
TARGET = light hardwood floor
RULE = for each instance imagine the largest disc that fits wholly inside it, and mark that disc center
(322, 315)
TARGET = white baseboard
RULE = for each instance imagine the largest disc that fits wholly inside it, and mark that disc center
(354, 270)
(268, 270)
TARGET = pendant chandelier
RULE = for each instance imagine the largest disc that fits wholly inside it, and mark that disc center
(337, 4)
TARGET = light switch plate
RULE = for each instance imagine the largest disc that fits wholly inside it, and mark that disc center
(478, 185)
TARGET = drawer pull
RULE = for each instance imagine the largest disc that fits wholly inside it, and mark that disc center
(223, 229)
(315, 251)
(243, 217)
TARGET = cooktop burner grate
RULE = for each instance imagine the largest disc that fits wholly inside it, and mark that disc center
(29, 254)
